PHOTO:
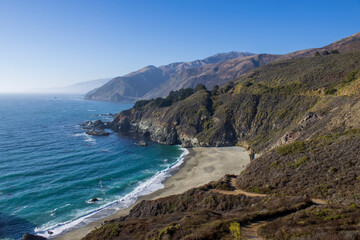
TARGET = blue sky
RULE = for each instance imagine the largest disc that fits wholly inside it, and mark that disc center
(55, 43)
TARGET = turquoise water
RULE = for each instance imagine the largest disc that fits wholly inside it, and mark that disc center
(50, 169)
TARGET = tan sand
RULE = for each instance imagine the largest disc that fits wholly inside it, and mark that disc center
(201, 165)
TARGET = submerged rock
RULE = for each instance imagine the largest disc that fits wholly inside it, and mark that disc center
(28, 236)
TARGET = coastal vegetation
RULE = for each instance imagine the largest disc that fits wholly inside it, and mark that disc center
(301, 114)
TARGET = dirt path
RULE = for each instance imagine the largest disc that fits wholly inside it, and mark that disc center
(250, 231)
(239, 191)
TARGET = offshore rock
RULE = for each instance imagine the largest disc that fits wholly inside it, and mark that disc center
(94, 132)
(98, 124)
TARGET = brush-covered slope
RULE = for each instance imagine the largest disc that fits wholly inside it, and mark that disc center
(346, 45)
(303, 114)
(274, 104)
(136, 84)
(215, 211)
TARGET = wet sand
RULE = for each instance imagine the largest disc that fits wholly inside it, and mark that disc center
(201, 166)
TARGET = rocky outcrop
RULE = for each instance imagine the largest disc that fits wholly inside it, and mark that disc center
(95, 132)
(98, 124)
(292, 135)
(95, 128)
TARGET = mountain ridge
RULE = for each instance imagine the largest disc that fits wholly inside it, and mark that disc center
(211, 71)
(136, 84)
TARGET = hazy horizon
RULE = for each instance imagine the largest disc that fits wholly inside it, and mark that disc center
(60, 43)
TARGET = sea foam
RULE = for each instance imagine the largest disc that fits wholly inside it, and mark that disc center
(145, 188)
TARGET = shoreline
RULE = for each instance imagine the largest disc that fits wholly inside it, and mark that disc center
(201, 166)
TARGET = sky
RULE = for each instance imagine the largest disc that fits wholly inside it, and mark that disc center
(60, 42)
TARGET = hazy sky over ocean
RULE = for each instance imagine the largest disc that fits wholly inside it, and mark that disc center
(56, 43)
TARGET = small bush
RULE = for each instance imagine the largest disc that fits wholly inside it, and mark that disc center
(330, 91)
(351, 77)
(301, 161)
(200, 87)
(291, 148)
(235, 231)
(141, 103)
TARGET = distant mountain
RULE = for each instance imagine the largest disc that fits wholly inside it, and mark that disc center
(211, 74)
(131, 86)
(152, 82)
(136, 84)
(81, 87)
(223, 72)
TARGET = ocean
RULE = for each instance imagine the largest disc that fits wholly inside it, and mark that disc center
(50, 169)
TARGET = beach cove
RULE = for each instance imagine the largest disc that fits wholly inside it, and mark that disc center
(201, 166)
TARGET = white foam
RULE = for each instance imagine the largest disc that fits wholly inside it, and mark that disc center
(87, 137)
(145, 188)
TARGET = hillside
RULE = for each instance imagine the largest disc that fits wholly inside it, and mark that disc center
(301, 114)
(136, 84)
(345, 45)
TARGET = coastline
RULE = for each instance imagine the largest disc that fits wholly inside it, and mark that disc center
(202, 165)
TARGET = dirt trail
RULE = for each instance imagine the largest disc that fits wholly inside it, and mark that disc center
(239, 191)
(250, 231)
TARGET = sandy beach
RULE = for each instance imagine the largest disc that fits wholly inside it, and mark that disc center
(200, 166)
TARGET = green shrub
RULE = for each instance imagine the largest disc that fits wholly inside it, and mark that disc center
(141, 103)
(169, 230)
(301, 161)
(200, 87)
(291, 148)
(235, 231)
(351, 77)
(330, 91)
